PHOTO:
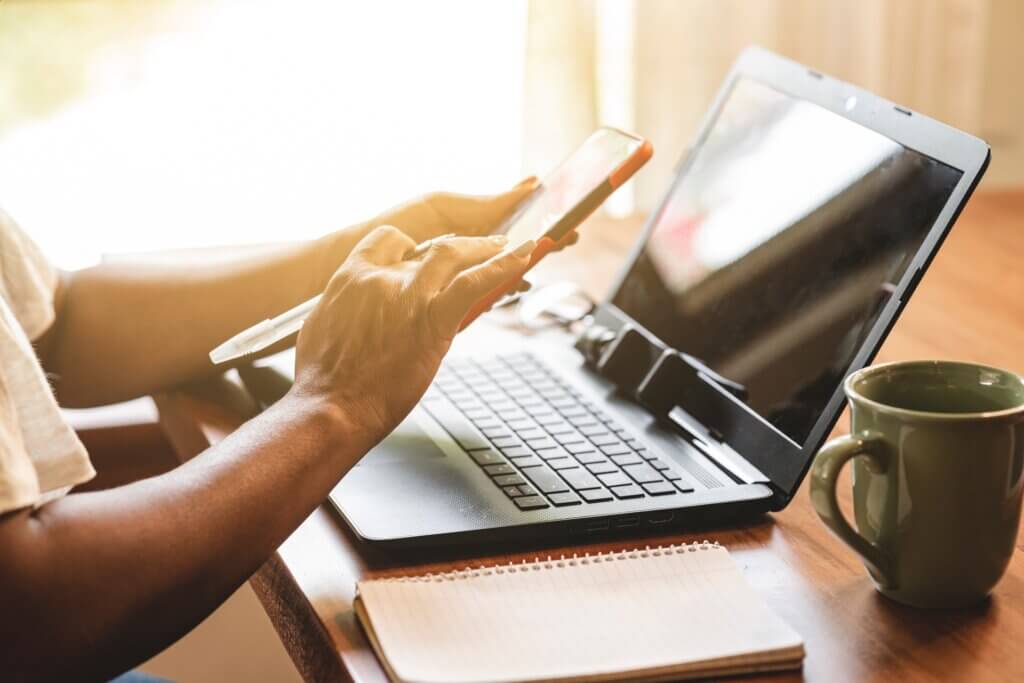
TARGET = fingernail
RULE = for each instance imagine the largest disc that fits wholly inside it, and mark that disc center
(525, 249)
(525, 182)
(500, 240)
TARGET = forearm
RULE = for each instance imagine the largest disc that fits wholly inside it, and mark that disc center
(95, 583)
(125, 330)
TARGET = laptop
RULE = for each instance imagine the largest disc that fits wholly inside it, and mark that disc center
(797, 226)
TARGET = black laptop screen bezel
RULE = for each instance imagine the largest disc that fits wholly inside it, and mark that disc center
(783, 461)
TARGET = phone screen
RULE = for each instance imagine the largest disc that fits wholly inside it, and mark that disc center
(570, 183)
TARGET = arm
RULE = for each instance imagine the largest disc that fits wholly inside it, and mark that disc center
(94, 583)
(125, 330)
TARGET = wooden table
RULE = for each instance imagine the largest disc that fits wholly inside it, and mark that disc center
(969, 306)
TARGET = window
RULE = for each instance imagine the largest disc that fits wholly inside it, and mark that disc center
(233, 121)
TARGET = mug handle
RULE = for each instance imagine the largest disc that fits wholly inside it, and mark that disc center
(824, 476)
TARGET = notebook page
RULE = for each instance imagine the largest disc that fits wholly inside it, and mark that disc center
(666, 609)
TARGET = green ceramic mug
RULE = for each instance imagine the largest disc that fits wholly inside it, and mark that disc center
(938, 451)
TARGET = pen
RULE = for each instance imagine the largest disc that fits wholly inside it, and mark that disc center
(264, 334)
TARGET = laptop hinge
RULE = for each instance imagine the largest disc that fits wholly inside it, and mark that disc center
(681, 391)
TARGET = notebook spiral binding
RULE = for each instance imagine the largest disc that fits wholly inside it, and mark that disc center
(539, 563)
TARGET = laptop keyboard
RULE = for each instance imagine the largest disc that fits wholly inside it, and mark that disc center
(539, 440)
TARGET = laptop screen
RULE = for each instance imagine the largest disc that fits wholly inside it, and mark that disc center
(779, 246)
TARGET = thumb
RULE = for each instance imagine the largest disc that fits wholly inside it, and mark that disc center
(473, 284)
(481, 214)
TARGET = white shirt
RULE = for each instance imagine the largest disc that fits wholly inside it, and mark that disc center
(40, 455)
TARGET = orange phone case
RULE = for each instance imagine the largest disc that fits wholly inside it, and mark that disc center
(543, 248)
(545, 245)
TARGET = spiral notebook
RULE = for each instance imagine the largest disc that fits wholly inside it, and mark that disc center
(648, 615)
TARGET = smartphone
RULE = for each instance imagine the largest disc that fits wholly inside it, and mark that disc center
(570, 193)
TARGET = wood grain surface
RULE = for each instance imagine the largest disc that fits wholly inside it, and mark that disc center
(969, 306)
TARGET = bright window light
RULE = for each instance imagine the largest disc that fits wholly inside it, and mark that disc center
(244, 121)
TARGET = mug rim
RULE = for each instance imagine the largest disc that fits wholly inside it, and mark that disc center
(906, 413)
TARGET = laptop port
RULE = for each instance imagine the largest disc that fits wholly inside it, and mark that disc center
(598, 526)
(660, 517)
(627, 522)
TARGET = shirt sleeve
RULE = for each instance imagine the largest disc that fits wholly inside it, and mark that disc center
(27, 277)
(19, 483)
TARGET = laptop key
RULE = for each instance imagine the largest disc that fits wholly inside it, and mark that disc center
(580, 479)
(659, 488)
(525, 423)
(545, 479)
(573, 411)
(543, 442)
(627, 491)
(615, 449)
(605, 439)
(569, 437)
(551, 453)
(590, 457)
(683, 485)
(533, 432)
(562, 463)
(509, 480)
(507, 441)
(593, 430)
(595, 495)
(487, 456)
(527, 490)
(495, 432)
(530, 502)
(526, 461)
(626, 459)
(495, 470)
(659, 464)
(565, 498)
(557, 426)
(603, 467)
(582, 420)
(516, 451)
(464, 433)
(578, 448)
(489, 423)
(643, 473)
(614, 479)
(512, 491)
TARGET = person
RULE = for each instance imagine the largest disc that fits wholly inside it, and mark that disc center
(92, 584)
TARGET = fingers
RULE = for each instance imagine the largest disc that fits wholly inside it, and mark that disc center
(447, 258)
(384, 246)
(480, 215)
(473, 284)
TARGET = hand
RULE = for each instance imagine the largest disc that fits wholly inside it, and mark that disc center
(375, 341)
(440, 213)
(431, 215)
